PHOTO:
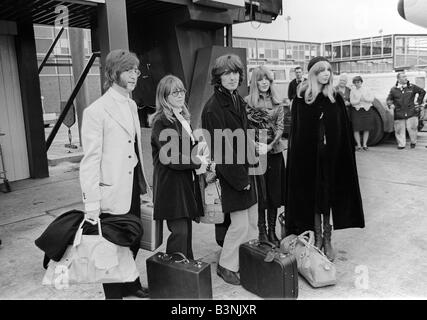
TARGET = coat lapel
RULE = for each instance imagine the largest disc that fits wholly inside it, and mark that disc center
(113, 110)
(227, 103)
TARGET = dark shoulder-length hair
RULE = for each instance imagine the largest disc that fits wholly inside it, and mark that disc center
(118, 61)
(226, 64)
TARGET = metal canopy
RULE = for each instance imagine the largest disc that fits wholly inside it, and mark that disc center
(81, 13)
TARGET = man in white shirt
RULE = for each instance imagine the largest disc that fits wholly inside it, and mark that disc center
(111, 171)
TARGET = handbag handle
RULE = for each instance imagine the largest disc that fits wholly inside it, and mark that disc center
(310, 235)
(79, 232)
(308, 244)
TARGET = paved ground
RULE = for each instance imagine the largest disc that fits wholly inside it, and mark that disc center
(390, 253)
(58, 152)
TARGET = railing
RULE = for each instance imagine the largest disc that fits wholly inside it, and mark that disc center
(71, 99)
(51, 49)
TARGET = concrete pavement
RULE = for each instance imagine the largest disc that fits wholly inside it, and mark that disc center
(385, 260)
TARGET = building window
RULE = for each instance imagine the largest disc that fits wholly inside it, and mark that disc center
(328, 51)
(387, 45)
(377, 46)
(43, 45)
(400, 45)
(366, 48)
(261, 53)
(346, 50)
(42, 32)
(337, 51)
(355, 48)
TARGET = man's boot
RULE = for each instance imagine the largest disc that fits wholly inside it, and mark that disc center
(261, 226)
(327, 232)
(318, 240)
(271, 216)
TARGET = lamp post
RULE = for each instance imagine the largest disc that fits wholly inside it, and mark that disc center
(288, 18)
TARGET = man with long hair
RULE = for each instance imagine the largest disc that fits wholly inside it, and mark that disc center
(226, 110)
(111, 171)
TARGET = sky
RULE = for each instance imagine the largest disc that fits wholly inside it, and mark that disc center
(331, 20)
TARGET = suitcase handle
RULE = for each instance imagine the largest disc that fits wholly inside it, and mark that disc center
(272, 245)
(169, 257)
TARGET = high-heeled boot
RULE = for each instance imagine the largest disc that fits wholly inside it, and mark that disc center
(271, 216)
(327, 233)
(318, 239)
(261, 226)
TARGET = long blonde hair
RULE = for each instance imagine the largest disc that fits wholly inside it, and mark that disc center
(311, 88)
(258, 74)
(166, 85)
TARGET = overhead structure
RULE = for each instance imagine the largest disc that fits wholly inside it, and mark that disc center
(168, 36)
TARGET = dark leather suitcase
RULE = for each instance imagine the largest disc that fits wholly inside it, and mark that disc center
(173, 276)
(267, 272)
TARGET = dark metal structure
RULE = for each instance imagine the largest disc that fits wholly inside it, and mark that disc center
(182, 37)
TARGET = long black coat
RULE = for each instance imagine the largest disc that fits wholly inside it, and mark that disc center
(176, 189)
(220, 112)
(302, 165)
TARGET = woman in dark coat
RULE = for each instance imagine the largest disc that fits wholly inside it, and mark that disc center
(176, 192)
(321, 166)
(224, 110)
(265, 111)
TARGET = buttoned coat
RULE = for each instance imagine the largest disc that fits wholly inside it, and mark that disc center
(221, 113)
(176, 188)
(107, 167)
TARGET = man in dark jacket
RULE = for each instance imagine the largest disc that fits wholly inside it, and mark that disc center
(226, 110)
(401, 99)
(293, 85)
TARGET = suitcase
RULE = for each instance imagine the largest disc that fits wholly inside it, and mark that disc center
(267, 272)
(152, 236)
(173, 276)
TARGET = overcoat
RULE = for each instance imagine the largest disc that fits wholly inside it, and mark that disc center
(302, 169)
(176, 189)
(222, 112)
(107, 167)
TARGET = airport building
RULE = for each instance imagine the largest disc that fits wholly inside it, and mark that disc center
(386, 53)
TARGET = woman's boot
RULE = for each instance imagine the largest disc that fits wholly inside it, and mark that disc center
(261, 226)
(318, 240)
(271, 216)
(327, 233)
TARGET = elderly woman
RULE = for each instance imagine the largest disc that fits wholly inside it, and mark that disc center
(344, 91)
(362, 113)
(265, 111)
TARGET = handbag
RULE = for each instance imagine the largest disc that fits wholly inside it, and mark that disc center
(91, 259)
(312, 263)
(211, 199)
